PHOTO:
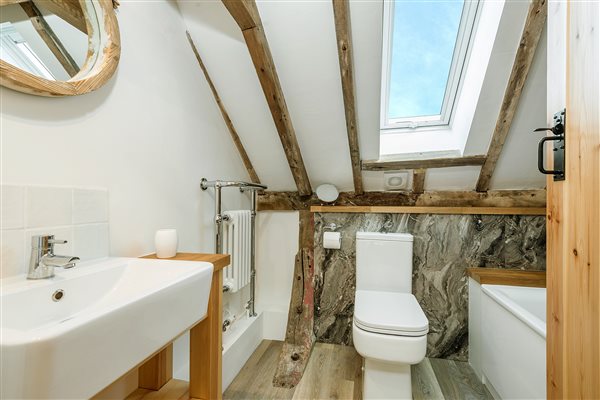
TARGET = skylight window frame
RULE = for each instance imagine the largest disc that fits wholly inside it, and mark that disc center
(460, 58)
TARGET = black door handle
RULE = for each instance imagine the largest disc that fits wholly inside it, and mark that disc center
(558, 149)
(541, 155)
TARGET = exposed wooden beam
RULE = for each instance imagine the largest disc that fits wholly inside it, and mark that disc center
(343, 32)
(534, 25)
(379, 165)
(247, 17)
(419, 180)
(244, 12)
(430, 210)
(49, 37)
(68, 10)
(286, 201)
(232, 131)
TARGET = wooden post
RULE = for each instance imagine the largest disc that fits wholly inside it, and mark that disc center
(157, 371)
(299, 337)
(419, 180)
(205, 347)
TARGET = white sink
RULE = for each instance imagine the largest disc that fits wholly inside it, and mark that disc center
(114, 313)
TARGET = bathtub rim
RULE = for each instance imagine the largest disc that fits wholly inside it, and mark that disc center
(538, 325)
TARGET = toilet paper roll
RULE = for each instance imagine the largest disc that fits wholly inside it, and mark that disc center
(332, 240)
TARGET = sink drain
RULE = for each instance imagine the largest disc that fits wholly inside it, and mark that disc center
(58, 295)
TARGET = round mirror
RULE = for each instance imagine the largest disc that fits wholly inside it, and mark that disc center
(57, 47)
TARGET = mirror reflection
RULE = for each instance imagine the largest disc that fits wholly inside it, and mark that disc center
(47, 38)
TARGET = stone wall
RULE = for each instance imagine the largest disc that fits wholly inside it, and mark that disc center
(444, 246)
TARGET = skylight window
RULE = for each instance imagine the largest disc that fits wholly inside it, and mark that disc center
(425, 51)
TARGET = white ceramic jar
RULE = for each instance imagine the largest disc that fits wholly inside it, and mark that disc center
(165, 241)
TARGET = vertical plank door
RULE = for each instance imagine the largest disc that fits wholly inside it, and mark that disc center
(573, 335)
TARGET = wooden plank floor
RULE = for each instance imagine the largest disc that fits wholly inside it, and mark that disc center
(333, 372)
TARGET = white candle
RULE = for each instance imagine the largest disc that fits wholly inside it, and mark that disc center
(165, 241)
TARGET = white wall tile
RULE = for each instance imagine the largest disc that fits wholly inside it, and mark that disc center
(12, 214)
(90, 206)
(61, 233)
(79, 216)
(48, 206)
(12, 259)
(91, 241)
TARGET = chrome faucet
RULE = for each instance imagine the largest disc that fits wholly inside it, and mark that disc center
(43, 260)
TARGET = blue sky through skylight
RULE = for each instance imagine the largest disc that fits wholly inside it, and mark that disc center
(423, 43)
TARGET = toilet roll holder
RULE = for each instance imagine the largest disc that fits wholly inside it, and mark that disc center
(330, 227)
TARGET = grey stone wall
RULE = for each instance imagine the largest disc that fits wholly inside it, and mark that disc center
(444, 246)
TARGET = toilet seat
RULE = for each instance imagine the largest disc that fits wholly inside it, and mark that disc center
(389, 313)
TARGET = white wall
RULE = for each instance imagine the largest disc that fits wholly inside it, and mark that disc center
(276, 248)
(148, 136)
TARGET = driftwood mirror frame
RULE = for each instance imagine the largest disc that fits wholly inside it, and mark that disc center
(103, 56)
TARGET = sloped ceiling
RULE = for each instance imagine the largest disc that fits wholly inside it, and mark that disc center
(301, 36)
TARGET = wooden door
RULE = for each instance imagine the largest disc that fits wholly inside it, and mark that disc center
(573, 334)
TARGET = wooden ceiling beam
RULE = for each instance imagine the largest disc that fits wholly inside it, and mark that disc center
(245, 13)
(382, 165)
(68, 10)
(232, 131)
(341, 12)
(49, 37)
(290, 201)
(534, 25)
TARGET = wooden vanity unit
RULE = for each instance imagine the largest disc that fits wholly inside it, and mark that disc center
(205, 341)
(205, 348)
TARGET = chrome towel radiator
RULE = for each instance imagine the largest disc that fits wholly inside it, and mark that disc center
(253, 188)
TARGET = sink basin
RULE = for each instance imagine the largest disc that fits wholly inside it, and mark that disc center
(112, 315)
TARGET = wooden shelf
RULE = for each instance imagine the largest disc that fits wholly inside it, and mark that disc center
(219, 261)
(431, 210)
(512, 277)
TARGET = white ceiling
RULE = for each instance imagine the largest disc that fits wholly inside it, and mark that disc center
(301, 36)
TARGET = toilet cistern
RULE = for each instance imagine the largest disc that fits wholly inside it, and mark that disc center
(43, 260)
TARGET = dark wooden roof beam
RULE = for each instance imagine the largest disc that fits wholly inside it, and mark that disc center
(245, 13)
(534, 25)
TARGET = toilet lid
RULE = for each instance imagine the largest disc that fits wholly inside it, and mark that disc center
(390, 313)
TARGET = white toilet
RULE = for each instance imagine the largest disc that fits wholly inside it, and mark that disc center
(390, 328)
